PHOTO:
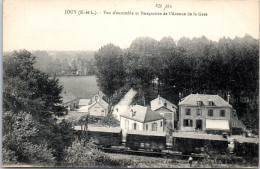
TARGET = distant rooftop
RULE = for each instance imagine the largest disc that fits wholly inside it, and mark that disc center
(192, 99)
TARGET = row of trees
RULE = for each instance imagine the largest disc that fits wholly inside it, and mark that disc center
(65, 63)
(176, 69)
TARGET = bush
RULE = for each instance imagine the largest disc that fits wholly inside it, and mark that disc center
(8, 156)
(86, 154)
(39, 154)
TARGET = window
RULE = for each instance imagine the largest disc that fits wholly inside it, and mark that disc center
(146, 126)
(198, 112)
(199, 103)
(210, 112)
(154, 127)
(133, 112)
(96, 98)
(211, 103)
(187, 123)
(135, 126)
(161, 123)
(222, 113)
(187, 111)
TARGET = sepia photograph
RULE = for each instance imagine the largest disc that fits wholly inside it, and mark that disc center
(130, 84)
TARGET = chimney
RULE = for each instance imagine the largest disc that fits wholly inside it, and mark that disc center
(228, 97)
(159, 99)
(180, 96)
(165, 104)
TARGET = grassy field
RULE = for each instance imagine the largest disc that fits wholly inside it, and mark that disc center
(81, 86)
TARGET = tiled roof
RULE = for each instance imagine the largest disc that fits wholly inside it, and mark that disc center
(84, 102)
(192, 99)
(160, 102)
(142, 114)
(68, 97)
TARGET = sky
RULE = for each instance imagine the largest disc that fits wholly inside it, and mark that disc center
(43, 25)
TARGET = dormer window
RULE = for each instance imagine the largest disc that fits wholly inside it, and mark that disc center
(199, 102)
(210, 102)
(133, 112)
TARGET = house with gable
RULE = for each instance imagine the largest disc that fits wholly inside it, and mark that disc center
(100, 95)
(141, 118)
(166, 109)
(209, 113)
(95, 107)
(98, 108)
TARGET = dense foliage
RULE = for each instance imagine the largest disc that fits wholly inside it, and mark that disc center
(109, 69)
(174, 70)
(31, 103)
(86, 154)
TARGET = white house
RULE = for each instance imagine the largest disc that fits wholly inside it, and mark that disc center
(166, 109)
(141, 118)
(207, 112)
(98, 108)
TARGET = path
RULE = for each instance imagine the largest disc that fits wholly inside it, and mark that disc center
(124, 103)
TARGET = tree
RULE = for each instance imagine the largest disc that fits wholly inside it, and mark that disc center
(31, 103)
(109, 69)
(28, 89)
(110, 120)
